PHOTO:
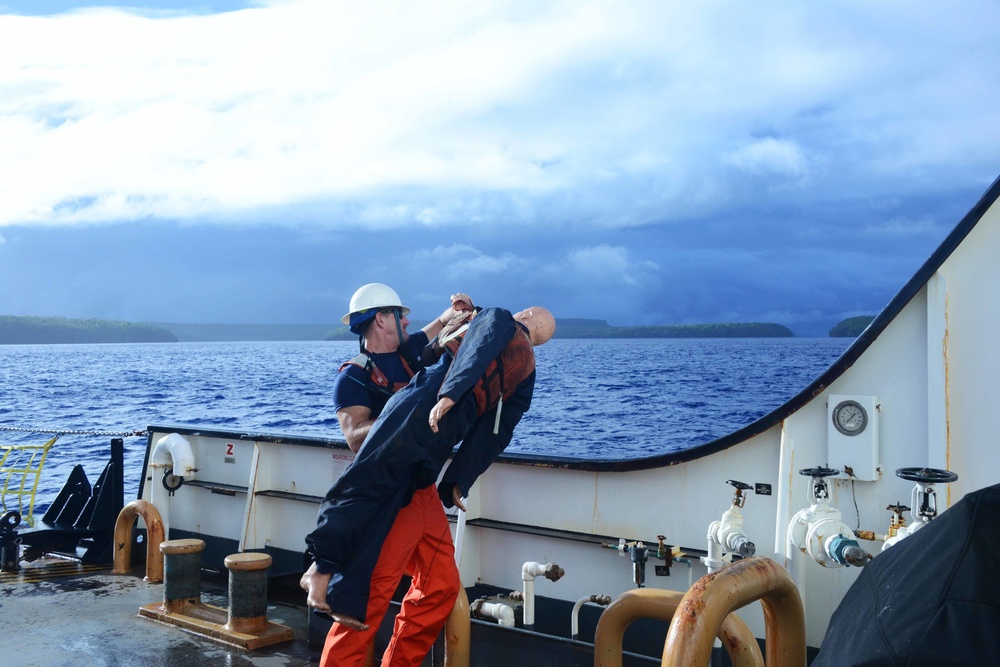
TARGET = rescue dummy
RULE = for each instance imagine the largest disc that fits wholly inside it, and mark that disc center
(475, 395)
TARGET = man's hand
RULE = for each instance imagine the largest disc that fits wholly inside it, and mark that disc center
(439, 410)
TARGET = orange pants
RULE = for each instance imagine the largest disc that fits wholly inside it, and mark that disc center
(419, 544)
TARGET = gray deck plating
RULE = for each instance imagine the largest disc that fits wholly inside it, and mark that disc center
(58, 612)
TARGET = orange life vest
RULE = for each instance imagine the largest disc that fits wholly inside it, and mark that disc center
(375, 380)
(503, 374)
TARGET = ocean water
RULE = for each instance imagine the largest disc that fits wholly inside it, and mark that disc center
(595, 398)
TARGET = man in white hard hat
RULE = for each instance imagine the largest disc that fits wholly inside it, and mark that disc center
(388, 356)
(476, 395)
(419, 541)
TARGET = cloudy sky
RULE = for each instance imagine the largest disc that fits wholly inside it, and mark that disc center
(653, 162)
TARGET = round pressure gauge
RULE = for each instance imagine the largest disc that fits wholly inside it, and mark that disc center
(850, 417)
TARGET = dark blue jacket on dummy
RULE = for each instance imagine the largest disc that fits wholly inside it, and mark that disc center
(401, 454)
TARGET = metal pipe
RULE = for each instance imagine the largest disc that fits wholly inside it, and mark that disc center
(502, 613)
(529, 571)
(574, 623)
(706, 605)
(154, 537)
(458, 632)
(459, 539)
(171, 452)
(174, 451)
(870, 536)
(528, 608)
(661, 605)
(687, 561)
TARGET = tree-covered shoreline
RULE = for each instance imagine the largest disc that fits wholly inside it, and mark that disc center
(851, 327)
(28, 330)
(575, 329)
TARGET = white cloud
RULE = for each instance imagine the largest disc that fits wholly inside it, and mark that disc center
(770, 156)
(899, 228)
(602, 266)
(393, 113)
(462, 262)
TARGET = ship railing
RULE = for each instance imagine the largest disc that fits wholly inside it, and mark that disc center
(20, 469)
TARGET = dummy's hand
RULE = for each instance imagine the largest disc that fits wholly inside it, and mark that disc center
(456, 497)
(439, 410)
(461, 302)
(314, 583)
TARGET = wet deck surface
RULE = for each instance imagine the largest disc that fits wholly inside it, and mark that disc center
(59, 612)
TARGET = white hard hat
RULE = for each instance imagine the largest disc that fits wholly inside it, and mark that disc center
(367, 301)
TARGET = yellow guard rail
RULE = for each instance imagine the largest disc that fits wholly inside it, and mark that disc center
(18, 463)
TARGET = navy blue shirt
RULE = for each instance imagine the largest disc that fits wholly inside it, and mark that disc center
(351, 386)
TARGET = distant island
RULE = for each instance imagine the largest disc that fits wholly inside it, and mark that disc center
(21, 330)
(582, 328)
(38, 330)
(851, 327)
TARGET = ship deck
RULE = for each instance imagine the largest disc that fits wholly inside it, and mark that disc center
(61, 612)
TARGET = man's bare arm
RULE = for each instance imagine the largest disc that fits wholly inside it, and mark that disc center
(355, 422)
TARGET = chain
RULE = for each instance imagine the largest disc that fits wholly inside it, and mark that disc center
(53, 431)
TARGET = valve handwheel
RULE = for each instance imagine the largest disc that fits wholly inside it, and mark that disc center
(742, 486)
(819, 472)
(927, 475)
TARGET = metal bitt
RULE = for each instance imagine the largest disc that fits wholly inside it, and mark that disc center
(243, 624)
(247, 592)
(181, 573)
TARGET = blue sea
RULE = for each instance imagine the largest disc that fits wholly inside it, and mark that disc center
(604, 398)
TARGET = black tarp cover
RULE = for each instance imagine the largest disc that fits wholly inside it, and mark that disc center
(932, 599)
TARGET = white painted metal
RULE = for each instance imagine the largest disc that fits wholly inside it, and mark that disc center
(855, 456)
(934, 368)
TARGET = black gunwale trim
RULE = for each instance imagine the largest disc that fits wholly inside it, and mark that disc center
(779, 414)
(276, 438)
